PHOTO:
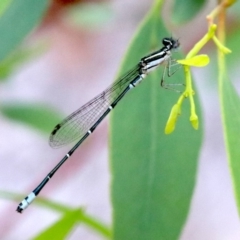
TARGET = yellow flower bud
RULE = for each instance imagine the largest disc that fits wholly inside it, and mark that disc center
(175, 112)
(194, 120)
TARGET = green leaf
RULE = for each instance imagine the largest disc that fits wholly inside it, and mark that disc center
(153, 174)
(230, 103)
(62, 228)
(18, 57)
(89, 15)
(185, 10)
(3, 5)
(20, 17)
(89, 221)
(38, 116)
(233, 39)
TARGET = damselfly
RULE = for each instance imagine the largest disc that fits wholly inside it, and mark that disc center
(81, 123)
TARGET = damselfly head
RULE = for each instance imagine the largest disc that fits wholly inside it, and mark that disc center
(170, 43)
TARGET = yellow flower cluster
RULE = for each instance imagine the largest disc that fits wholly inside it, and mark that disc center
(192, 59)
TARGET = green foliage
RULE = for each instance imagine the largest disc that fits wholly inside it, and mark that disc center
(60, 230)
(90, 15)
(185, 10)
(151, 191)
(20, 17)
(230, 109)
(70, 218)
(17, 58)
(3, 5)
(40, 117)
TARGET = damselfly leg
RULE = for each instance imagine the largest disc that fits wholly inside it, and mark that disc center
(170, 64)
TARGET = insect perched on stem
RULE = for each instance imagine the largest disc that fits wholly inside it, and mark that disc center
(81, 123)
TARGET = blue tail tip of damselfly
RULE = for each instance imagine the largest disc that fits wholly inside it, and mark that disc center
(25, 202)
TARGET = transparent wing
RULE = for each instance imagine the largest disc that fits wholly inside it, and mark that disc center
(79, 122)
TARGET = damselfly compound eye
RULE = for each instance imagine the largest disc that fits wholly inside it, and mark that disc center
(170, 43)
